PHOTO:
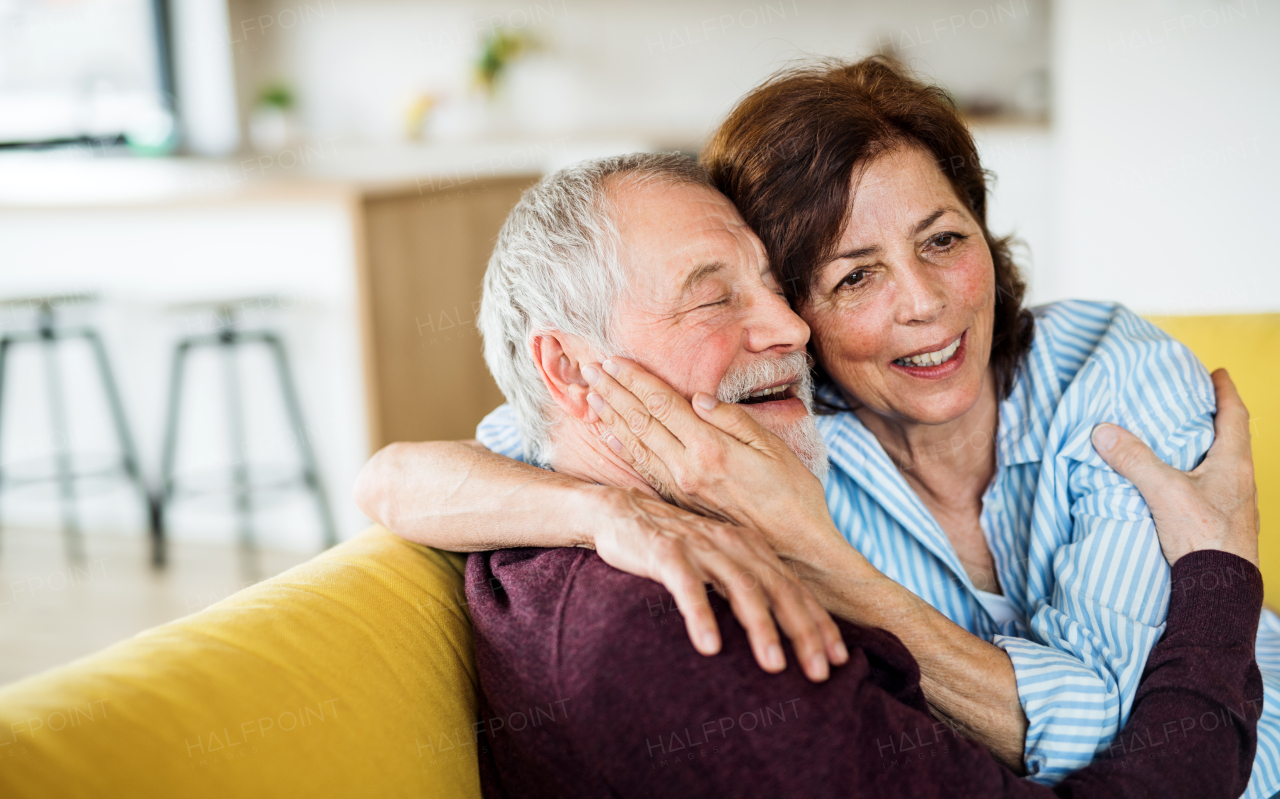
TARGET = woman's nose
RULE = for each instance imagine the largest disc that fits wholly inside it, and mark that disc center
(921, 297)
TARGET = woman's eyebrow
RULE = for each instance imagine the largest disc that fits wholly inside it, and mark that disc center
(922, 225)
(860, 252)
(933, 217)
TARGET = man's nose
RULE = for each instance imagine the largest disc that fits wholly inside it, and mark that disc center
(775, 325)
(921, 296)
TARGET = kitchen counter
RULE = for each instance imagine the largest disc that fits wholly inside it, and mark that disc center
(314, 170)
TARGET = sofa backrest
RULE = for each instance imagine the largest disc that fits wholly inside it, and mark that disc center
(1245, 345)
(350, 675)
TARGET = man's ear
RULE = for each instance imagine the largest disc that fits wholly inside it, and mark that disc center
(559, 359)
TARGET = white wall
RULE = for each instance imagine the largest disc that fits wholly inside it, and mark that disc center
(1020, 202)
(611, 67)
(1167, 119)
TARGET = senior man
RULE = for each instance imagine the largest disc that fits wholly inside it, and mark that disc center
(639, 256)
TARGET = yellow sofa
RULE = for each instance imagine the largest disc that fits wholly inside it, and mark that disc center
(349, 675)
(352, 674)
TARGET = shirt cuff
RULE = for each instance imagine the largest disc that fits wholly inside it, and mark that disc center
(1070, 711)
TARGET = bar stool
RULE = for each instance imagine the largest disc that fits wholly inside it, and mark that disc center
(49, 334)
(229, 338)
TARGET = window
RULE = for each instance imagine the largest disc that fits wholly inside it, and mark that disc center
(84, 71)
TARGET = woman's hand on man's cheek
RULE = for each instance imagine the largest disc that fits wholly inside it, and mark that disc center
(716, 460)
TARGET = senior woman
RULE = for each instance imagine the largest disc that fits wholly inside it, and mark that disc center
(958, 426)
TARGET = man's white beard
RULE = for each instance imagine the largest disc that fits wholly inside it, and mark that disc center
(801, 436)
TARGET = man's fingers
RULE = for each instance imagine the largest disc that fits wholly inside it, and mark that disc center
(1132, 459)
(1231, 426)
(731, 419)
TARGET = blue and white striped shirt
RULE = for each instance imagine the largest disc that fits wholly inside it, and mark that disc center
(1074, 545)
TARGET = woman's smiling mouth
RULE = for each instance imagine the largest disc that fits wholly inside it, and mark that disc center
(933, 365)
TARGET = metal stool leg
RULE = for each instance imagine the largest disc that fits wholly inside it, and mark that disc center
(129, 454)
(235, 428)
(171, 429)
(62, 448)
(4, 354)
(310, 473)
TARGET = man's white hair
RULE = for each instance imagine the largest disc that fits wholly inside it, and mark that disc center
(555, 267)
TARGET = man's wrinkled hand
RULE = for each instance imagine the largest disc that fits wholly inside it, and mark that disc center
(1214, 506)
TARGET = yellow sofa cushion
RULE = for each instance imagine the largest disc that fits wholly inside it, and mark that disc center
(1247, 345)
(350, 675)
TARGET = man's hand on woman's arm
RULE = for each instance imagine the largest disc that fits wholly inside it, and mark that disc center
(460, 496)
(1214, 506)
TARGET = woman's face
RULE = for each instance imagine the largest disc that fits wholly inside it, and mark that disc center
(913, 277)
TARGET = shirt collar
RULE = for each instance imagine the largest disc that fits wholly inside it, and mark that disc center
(858, 455)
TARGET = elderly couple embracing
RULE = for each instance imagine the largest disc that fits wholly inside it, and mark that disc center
(957, 547)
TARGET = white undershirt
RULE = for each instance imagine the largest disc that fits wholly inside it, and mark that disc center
(998, 605)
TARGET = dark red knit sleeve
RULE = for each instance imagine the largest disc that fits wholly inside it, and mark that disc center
(642, 714)
(1194, 724)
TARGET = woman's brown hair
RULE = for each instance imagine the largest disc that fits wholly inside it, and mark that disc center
(786, 154)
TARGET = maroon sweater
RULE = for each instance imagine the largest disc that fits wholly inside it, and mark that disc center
(590, 688)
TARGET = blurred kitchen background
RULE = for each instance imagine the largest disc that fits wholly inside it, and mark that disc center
(331, 173)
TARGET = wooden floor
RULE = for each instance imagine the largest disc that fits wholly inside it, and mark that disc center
(52, 612)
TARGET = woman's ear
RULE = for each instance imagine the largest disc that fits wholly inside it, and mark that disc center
(558, 357)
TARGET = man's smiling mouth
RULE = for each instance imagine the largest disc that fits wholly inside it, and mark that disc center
(770, 394)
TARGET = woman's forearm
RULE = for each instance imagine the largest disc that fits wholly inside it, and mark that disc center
(459, 496)
(968, 682)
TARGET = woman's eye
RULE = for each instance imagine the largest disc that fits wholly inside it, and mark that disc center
(718, 302)
(853, 278)
(945, 241)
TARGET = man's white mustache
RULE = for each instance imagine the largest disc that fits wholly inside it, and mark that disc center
(794, 366)
(801, 436)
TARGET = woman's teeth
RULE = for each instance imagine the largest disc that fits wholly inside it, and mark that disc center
(931, 358)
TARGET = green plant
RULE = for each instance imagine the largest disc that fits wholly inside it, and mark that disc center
(276, 95)
(500, 49)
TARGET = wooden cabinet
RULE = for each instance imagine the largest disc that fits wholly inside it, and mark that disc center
(422, 256)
